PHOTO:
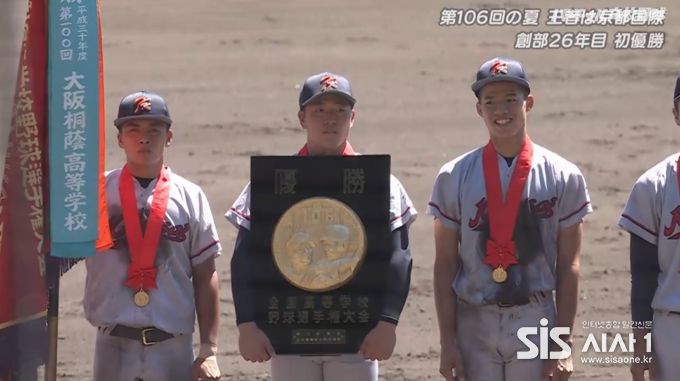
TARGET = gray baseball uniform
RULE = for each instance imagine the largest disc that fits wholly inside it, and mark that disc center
(188, 238)
(489, 314)
(327, 368)
(652, 212)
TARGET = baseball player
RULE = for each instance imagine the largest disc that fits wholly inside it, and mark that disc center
(507, 228)
(327, 115)
(652, 217)
(143, 294)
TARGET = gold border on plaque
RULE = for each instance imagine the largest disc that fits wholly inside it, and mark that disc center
(319, 244)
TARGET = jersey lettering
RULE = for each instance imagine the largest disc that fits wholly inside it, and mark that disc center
(174, 233)
(543, 209)
(675, 222)
(481, 209)
(540, 209)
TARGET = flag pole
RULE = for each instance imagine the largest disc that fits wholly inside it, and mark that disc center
(53, 332)
(52, 289)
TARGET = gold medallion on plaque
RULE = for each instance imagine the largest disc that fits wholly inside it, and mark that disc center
(319, 244)
(499, 275)
(141, 298)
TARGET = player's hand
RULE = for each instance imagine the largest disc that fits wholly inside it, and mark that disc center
(450, 361)
(638, 369)
(253, 344)
(558, 370)
(205, 369)
(379, 343)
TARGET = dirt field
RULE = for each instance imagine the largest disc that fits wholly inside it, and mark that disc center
(229, 68)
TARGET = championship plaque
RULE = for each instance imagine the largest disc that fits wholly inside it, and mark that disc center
(321, 247)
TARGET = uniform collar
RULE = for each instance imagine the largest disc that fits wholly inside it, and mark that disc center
(347, 151)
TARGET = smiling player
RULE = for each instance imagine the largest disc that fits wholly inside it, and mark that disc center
(508, 226)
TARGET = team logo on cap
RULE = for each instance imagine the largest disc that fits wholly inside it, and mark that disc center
(142, 103)
(499, 67)
(329, 82)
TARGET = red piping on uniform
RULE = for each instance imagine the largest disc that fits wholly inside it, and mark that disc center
(432, 204)
(240, 214)
(629, 218)
(402, 215)
(205, 249)
(576, 212)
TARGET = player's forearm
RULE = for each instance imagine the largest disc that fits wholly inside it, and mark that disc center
(640, 345)
(568, 273)
(208, 307)
(445, 300)
(241, 280)
(644, 271)
(446, 265)
(398, 276)
(566, 295)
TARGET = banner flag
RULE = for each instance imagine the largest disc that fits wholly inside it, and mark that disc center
(105, 240)
(26, 268)
(23, 293)
(77, 206)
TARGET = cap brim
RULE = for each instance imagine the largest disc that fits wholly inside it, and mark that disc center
(338, 92)
(120, 121)
(479, 84)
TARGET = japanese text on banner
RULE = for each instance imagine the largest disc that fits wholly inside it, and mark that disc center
(23, 294)
(74, 121)
(30, 159)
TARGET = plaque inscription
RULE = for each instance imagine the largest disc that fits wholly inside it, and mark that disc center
(321, 244)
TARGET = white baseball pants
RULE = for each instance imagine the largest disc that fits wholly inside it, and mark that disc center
(121, 359)
(323, 368)
(487, 339)
(665, 342)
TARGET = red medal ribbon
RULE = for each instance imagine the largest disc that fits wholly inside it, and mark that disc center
(347, 151)
(143, 245)
(500, 249)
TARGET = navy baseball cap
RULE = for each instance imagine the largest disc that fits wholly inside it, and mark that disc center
(500, 69)
(676, 94)
(325, 83)
(142, 105)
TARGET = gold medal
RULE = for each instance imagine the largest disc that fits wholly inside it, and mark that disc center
(141, 298)
(499, 275)
(319, 244)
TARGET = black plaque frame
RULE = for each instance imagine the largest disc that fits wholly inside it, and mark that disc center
(320, 176)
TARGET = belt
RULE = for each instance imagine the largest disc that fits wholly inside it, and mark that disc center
(147, 336)
(521, 301)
